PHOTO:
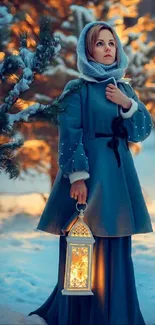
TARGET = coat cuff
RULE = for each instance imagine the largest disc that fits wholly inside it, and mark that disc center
(78, 175)
(131, 111)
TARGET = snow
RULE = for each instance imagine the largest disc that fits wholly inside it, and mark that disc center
(60, 70)
(5, 17)
(70, 42)
(83, 12)
(25, 114)
(29, 258)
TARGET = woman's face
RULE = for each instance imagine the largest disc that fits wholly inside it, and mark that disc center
(104, 49)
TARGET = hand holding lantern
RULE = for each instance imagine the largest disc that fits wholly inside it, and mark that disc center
(78, 191)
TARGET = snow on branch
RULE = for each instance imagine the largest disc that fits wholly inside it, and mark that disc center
(30, 62)
(5, 17)
(82, 16)
(138, 59)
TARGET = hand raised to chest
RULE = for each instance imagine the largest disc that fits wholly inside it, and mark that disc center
(114, 94)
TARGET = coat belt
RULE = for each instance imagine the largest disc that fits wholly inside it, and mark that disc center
(118, 131)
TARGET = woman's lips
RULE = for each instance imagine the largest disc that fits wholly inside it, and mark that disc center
(108, 55)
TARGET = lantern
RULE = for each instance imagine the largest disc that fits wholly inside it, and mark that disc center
(78, 268)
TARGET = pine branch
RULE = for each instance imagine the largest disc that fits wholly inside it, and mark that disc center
(82, 16)
(8, 162)
(47, 112)
(30, 62)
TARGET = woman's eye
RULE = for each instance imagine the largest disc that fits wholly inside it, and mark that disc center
(99, 43)
(111, 43)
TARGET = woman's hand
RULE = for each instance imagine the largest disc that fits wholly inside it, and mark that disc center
(79, 191)
(114, 94)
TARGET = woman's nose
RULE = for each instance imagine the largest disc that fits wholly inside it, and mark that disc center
(107, 47)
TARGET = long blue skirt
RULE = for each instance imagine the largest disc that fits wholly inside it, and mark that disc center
(115, 300)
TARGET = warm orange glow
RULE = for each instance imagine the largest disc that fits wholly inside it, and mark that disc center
(150, 84)
(144, 25)
(118, 9)
(31, 42)
(29, 19)
(98, 270)
(57, 4)
(35, 151)
(135, 45)
(35, 154)
(129, 2)
(15, 29)
(12, 78)
(136, 148)
(143, 37)
(2, 56)
(22, 27)
(120, 31)
(79, 267)
(15, 52)
(3, 139)
(33, 143)
(41, 78)
(150, 68)
(36, 30)
(24, 104)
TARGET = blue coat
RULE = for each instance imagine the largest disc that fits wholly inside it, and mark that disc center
(116, 205)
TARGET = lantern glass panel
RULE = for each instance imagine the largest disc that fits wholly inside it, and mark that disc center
(79, 266)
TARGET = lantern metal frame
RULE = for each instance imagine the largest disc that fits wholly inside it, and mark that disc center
(80, 236)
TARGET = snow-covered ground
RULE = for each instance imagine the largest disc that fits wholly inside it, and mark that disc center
(29, 258)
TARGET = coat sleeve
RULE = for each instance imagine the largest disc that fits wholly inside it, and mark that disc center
(72, 158)
(137, 119)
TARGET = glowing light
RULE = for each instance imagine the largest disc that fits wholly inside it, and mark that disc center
(2, 56)
(78, 271)
(24, 104)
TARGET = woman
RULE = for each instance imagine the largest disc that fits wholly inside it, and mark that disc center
(101, 115)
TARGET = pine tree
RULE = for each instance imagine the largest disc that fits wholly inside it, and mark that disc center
(30, 63)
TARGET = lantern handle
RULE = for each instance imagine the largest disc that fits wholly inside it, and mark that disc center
(81, 210)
